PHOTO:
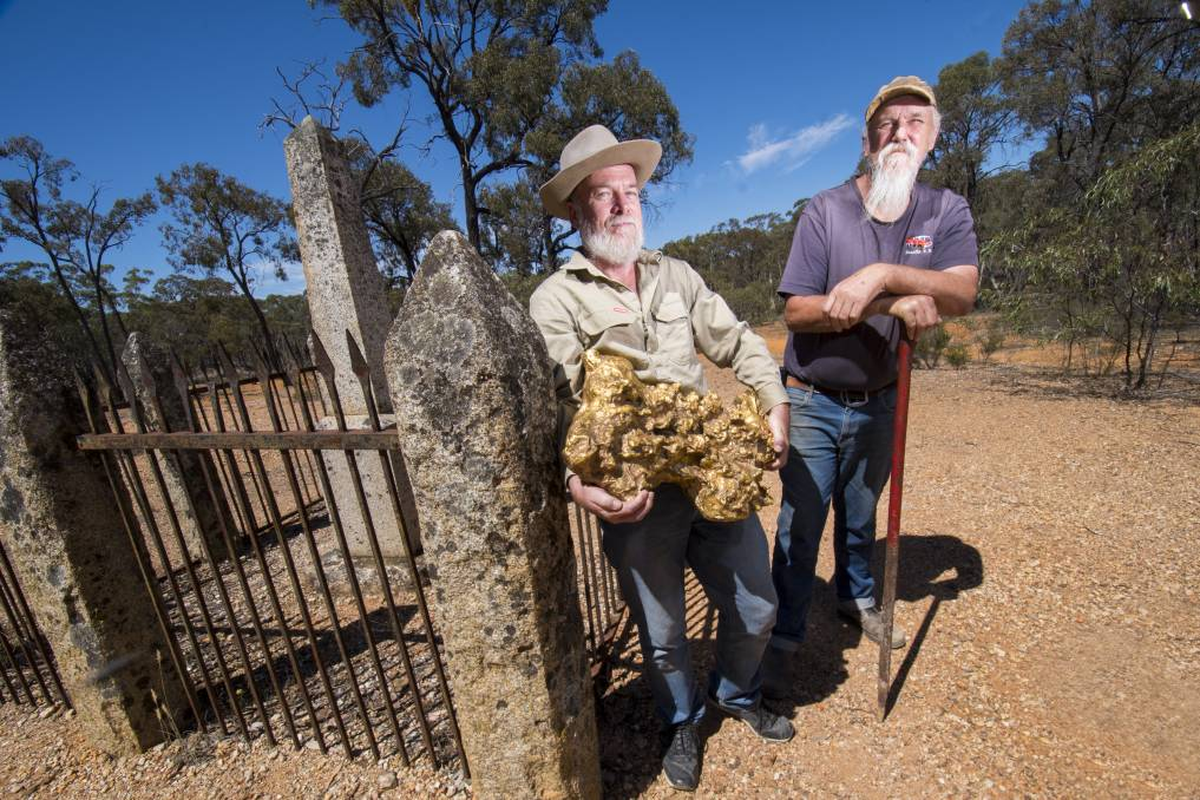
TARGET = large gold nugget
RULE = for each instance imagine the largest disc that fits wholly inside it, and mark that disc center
(629, 436)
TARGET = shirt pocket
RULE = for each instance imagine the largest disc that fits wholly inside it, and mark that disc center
(607, 326)
(673, 328)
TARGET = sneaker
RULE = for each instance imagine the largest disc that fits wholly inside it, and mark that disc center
(766, 724)
(681, 763)
(777, 673)
(871, 622)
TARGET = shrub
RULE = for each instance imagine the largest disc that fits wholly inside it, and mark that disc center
(930, 347)
(957, 355)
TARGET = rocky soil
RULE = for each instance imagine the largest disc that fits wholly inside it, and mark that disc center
(1048, 579)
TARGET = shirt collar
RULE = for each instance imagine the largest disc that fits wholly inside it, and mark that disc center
(578, 262)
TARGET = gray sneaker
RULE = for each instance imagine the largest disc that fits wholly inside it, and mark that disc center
(766, 724)
(871, 622)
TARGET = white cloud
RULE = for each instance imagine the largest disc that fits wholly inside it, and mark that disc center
(790, 151)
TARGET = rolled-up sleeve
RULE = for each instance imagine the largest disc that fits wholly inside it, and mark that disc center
(729, 342)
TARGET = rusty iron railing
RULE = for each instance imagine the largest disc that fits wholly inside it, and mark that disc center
(263, 641)
(28, 671)
(603, 608)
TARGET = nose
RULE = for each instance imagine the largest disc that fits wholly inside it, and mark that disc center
(900, 134)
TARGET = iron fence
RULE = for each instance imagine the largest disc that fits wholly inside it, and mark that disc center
(28, 672)
(278, 630)
(263, 640)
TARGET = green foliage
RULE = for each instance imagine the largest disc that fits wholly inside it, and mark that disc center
(490, 69)
(990, 341)
(521, 285)
(1098, 79)
(402, 216)
(220, 225)
(624, 97)
(930, 347)
(511, 83)
(975, 119)
(1124, 264)
(77, 237)
(957, 355)
(743, 260)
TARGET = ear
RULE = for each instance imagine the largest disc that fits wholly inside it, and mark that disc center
(866, 143)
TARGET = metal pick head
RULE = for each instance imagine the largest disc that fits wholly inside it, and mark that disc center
(357, 362)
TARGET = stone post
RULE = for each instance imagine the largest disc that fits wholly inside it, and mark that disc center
(475, 411)
(61, 523)
(346, 293)
(150, 371)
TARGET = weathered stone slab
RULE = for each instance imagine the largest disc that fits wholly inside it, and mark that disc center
(345, 289)
(150, 371)
(379, 501)
(475, 410)
(61, 525)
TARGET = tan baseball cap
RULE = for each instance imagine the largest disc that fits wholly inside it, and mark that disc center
(903, 84)
(595, 148)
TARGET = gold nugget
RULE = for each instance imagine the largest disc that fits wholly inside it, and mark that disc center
(629, 435)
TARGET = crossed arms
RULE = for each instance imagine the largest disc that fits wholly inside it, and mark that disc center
(918, 297)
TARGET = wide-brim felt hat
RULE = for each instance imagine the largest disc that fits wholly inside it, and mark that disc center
(902, 84)
(595, 148)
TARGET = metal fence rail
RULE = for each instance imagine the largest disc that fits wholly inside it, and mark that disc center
(28, 671)
(263, 643)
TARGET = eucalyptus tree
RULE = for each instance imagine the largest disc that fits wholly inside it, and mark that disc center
(221, 226)
(78, 237)
(622, 95)
(1098, 78)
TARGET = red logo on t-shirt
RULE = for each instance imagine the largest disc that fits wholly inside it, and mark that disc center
(915, 245)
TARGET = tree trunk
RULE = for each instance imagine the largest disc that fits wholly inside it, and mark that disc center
(101, 361)
(268, 338)
(470, 207)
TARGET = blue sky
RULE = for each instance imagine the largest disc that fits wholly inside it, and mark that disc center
(772, 91)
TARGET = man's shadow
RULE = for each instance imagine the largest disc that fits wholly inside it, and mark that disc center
(938, 566)
(929, 566)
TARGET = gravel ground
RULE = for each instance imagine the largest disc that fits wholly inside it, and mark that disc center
(1046, 583)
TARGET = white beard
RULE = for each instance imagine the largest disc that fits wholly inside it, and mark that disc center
(892, 181)
(613, 247)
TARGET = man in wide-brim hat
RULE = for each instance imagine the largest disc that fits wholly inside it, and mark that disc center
(656, 311)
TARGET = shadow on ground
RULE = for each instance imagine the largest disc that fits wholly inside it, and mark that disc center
(937, 566)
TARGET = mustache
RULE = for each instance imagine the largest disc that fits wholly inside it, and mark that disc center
(908, 148)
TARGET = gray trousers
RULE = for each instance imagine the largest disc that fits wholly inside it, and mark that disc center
(730, 559)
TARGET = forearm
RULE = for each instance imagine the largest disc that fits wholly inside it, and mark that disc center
(805, 313)
(953, 289)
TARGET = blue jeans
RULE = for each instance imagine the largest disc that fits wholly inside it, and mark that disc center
(731, 562)
(841, 451)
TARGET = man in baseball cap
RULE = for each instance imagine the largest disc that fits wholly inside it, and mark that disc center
(656, 311)
(879, 250)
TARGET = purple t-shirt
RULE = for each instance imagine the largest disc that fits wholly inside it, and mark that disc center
(834, 239)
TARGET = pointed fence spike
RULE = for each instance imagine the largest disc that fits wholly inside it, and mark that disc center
(357, 363)
(323, 361)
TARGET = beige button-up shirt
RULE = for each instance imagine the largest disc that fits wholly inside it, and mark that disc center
(659, 328)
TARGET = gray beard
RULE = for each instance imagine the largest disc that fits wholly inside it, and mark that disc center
(891, 186)
(612, 248)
